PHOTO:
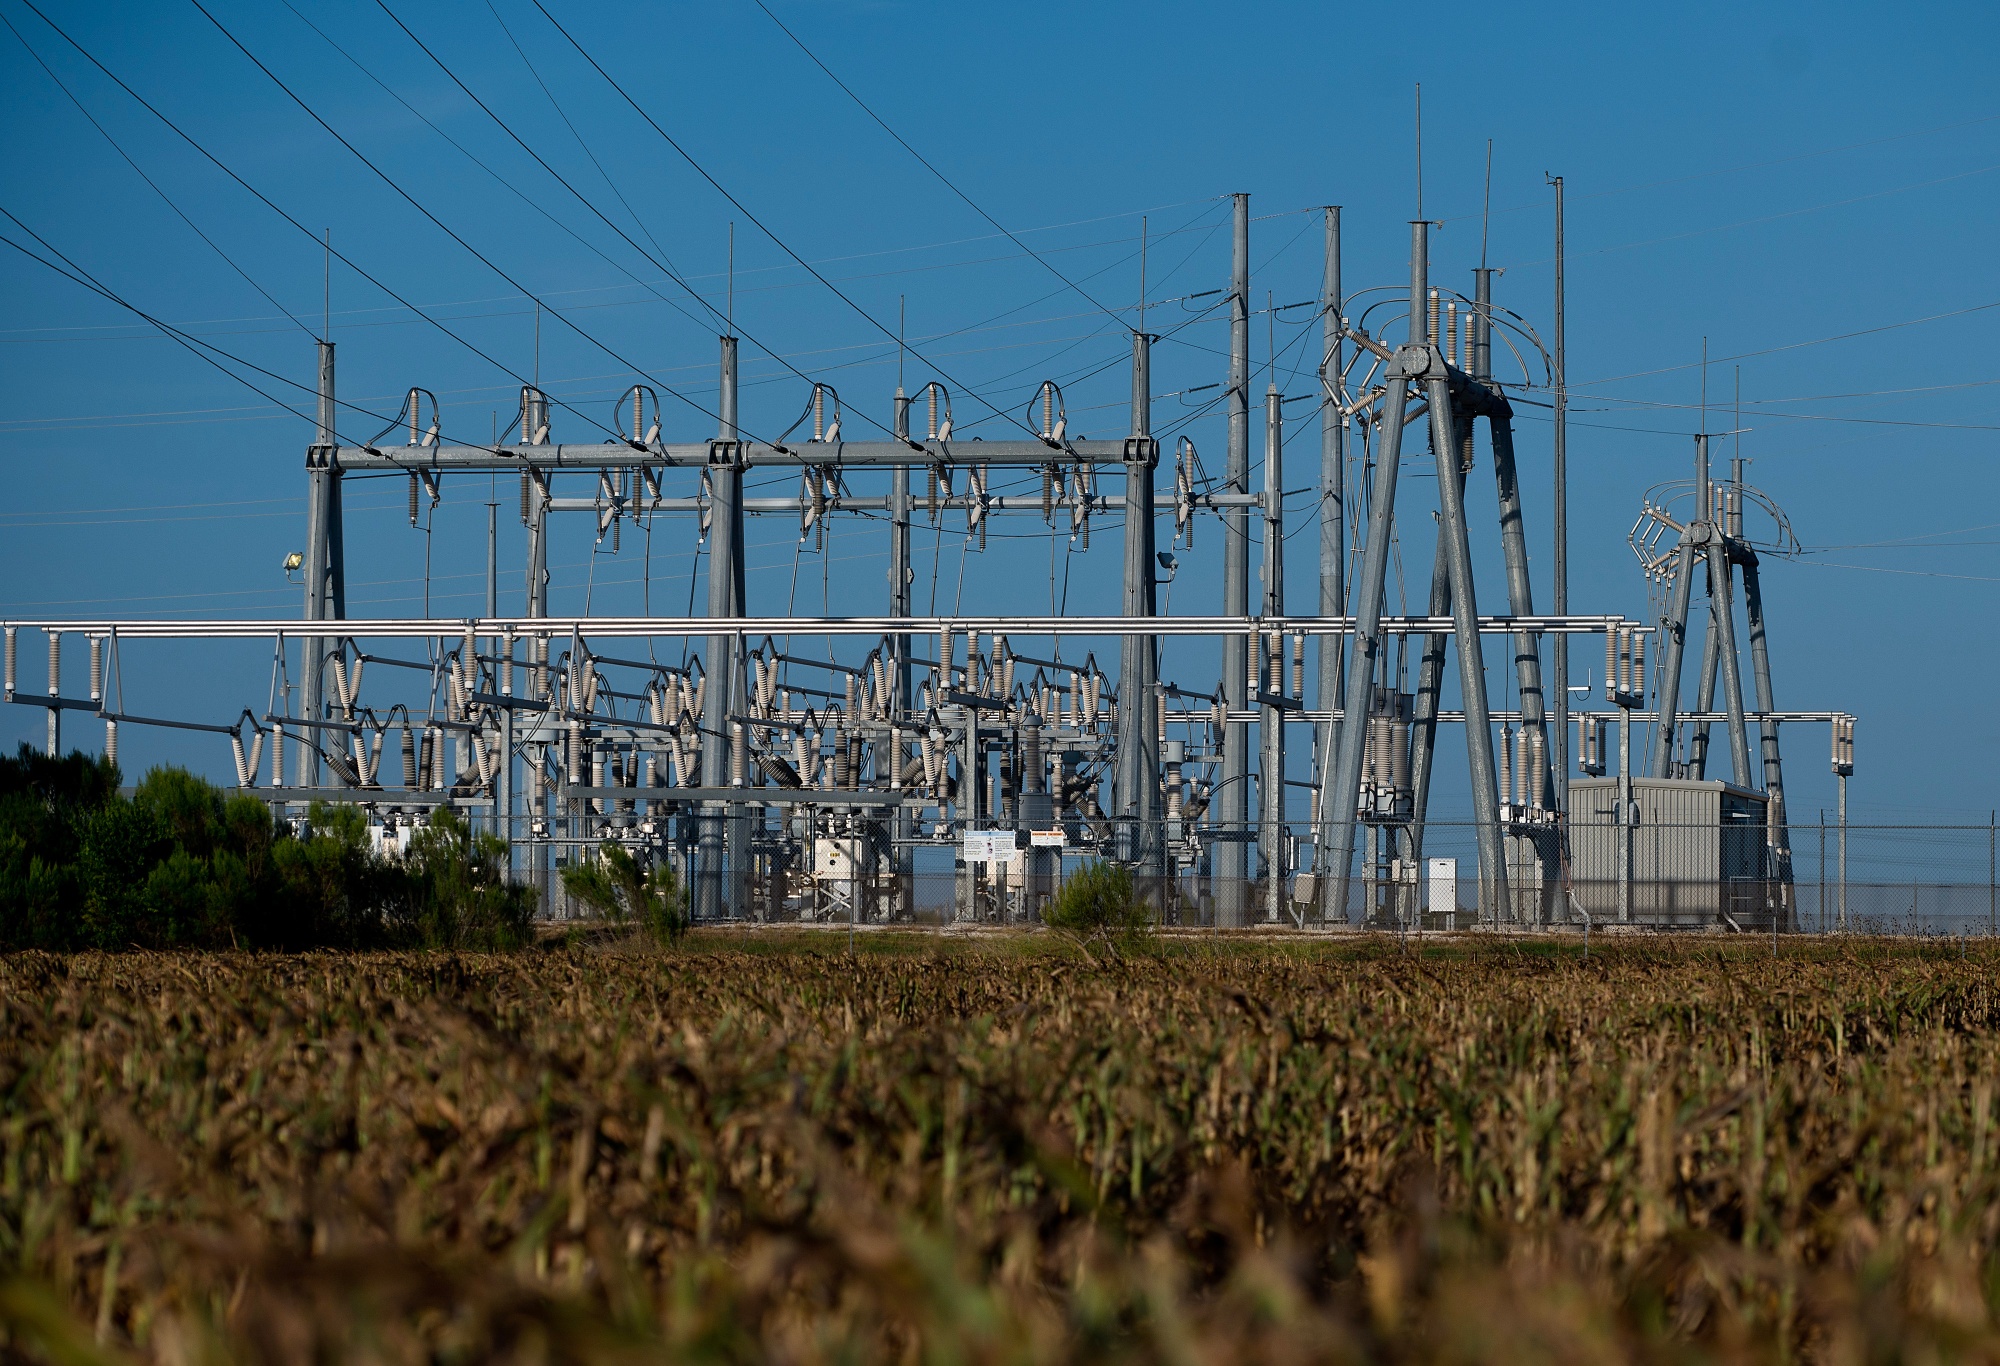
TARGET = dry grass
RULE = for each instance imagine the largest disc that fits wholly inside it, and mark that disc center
(768, 1150)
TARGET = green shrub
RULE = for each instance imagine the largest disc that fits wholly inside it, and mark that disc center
(616, 887)
(181, 864)
(45, 806)
(1098, 900)
(455, 892)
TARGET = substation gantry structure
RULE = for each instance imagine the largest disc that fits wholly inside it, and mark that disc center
(792, 786)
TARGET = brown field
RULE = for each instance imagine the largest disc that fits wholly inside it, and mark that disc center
(764, 1148)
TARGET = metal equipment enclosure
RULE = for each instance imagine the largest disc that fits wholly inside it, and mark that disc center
(1699, 853)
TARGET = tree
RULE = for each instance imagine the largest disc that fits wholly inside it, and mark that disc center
(1098, 902)
(616, 887)
(456, 894)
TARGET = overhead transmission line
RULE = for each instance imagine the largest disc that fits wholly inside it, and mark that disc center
(314, 237)
(474, 158)
(575, 132)
(762, 227)
(446, 228)
(658, 264)
(70, 270)
(925, 162)
(193, 227)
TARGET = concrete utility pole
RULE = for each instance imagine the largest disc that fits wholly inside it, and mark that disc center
(1231, 859)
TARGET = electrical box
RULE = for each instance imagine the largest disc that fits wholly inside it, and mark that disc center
(1442, 874)
(836, 860)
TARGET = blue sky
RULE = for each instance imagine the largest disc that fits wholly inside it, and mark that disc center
(1767, 178)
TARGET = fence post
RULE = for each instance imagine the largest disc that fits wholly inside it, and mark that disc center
(1992, 883)
(1822, 870)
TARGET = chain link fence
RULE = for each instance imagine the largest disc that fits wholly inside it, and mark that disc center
(1930, 879)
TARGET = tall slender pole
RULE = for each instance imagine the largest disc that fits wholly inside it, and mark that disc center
(1332, 472)
(1822, 870)
(493, 610)
(1138, 785)
(1453, 531)
(326, 589)
(1271, 766)
(1232, 797)
(718, 831)
(1332, 523)
(1560, 566)
(900, 577)
(1722, 603)
(1843, 853)
(1760, 675)
(1624, 815)
(492, 560)
(535, 603)
(1340, 788)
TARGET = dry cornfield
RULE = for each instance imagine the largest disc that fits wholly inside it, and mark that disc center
(780, 1148)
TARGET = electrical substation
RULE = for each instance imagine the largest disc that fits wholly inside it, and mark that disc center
(881, 766)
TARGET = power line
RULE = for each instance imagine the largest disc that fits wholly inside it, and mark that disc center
(271, 205)
(1794, 346)
(78, 275)
(744, 209)
(1745, 166)
(227, 259)
(575, 133)
(728, 323)
(469, 155)
(8, 334)
(1771, 218)
(443, 227)
(925, 162)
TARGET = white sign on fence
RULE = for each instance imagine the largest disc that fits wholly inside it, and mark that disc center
(1048, 839)
(989, 846)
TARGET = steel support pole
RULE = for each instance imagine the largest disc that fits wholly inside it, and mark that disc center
(1560, 518)
(1841, 872)
(1428, 701)
(535, 600)
(500, 813)
(1624, 815)
(1340, 790)
(1137, 788)
(1673, 646)
(325, 590)
(901, 575)
(1521, 599)
(1704, 700)
(53, 748)
(1231, 859)
(715, 869)
(503, 792)
(1471, 660)
(1332, 474)
(1723, 622)
(1332, 524)
(1271, 763)
(1760, 675)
